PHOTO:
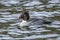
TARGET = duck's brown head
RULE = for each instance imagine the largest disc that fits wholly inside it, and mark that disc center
(25, 15)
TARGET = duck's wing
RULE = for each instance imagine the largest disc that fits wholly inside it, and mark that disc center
(36, 21)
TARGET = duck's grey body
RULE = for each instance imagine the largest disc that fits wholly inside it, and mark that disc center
(35, 21)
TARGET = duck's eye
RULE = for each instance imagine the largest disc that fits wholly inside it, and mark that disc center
(24, 15)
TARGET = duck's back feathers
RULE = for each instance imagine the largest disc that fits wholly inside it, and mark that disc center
(35, 21)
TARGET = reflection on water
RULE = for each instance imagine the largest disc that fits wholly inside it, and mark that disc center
(38, 9)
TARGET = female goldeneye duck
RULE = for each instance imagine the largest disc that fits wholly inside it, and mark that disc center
(25, 18)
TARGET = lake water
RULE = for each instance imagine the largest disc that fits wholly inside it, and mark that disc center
(10, 10)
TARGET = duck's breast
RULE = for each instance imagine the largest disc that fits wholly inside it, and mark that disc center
(24, 23)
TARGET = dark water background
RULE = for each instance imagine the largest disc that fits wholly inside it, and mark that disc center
(41, 9)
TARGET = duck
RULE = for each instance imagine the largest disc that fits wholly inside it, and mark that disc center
(26, 20)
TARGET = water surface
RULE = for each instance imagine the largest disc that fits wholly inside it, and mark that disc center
(41, 9)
